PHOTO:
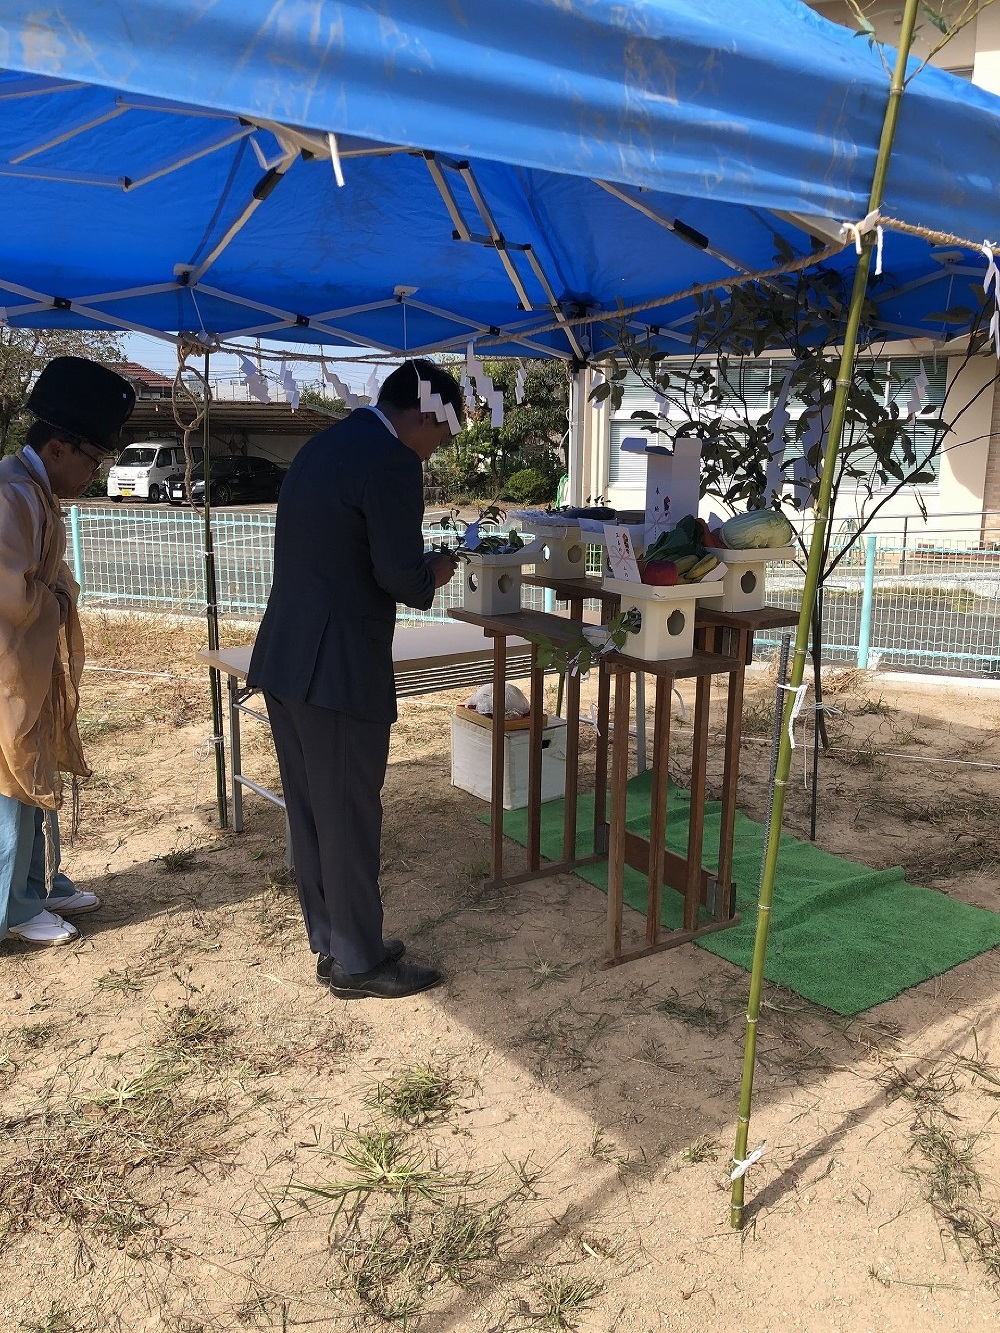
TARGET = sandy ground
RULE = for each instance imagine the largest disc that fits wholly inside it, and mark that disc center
(197, 1137)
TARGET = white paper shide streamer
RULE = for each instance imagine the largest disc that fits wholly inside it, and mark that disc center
(741, 1168)
(520, 383)
(815, 421)
(485, 388)
(799, 691)
(349, 399)
(774, 480)
(254, 380)
(918, 394)
(290, 386)
(856, 231)
(433, 402)
(990, 280)
(469, 392)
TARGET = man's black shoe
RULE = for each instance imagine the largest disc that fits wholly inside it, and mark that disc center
(391, 980)
(393, 949)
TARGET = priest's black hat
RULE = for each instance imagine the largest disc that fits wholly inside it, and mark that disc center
(86, 400)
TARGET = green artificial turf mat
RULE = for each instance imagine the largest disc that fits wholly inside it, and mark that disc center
(842, 935)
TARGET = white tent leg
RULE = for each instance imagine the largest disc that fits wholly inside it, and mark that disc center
(575, 450)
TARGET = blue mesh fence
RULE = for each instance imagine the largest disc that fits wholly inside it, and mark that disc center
(925, 601)
(154, 558)
(932, 599)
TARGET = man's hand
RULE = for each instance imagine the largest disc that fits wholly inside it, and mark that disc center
(442, 566)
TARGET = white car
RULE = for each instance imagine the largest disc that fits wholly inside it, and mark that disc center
(143, 468)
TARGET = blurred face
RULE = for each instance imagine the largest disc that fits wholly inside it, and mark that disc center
(70, 466)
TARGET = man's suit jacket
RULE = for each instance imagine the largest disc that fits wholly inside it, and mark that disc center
(347, 547)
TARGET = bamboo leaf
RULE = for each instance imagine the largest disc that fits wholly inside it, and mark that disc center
(958, 314)
(937, 19)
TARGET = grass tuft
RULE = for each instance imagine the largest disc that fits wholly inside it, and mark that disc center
(758, 716)
(34, 1036)
(198, 1027)
(704, 1149)
(57, 1320)
(701, 1016)
(874, 708)
(404, 1224)
(564, 1300)
(378, 1162)
(179, 861)
(418, 1095)
(114, 980)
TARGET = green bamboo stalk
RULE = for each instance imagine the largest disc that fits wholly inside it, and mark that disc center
(813, 570)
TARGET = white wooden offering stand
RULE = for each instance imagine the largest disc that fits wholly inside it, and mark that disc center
(742, 589)
(563, 553)
(491, 584)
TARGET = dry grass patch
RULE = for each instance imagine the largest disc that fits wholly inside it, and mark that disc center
(417, 1096)
(967, 838)
(406, 1225)
(562, 1300)
(159, 643)
(93, 1164)
(948, 1154)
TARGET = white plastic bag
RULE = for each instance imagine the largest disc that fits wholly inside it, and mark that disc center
(514, 702)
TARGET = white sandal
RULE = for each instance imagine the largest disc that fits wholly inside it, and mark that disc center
(46, 928)
(81, 901)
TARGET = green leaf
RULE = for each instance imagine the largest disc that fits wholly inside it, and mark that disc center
(937, 19)
(959, 314)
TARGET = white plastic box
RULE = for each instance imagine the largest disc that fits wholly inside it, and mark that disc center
(563, 554)
(472, 761)
(743, 586)
(667, 629)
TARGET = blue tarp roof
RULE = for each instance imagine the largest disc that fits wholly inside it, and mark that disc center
(169, 165)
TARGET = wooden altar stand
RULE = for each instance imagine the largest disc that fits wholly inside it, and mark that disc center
(730, 633)
(706, 894)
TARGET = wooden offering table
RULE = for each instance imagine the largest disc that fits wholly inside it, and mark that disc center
(730, 633)
(576, 592)
(700, 888)
(535, 626)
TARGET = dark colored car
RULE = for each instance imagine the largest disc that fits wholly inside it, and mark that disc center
(232, 479)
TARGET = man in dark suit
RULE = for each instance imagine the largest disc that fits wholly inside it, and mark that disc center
(348, 546)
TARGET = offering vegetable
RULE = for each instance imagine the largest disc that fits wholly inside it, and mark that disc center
(472, 541)
(760, 528)
(681, 555)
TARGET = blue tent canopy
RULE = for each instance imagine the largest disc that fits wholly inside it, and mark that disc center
(509, 170)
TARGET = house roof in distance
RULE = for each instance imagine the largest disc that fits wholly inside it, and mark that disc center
(140, 375)
(153, 418)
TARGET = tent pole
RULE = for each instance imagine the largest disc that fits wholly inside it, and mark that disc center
(813, 570)
(212, 616)
(574, 451)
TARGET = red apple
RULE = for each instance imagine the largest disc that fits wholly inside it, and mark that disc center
(662, 572)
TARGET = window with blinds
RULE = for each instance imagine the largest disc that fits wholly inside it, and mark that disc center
(756, 384)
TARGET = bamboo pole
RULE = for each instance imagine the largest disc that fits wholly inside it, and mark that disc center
(813, 570)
